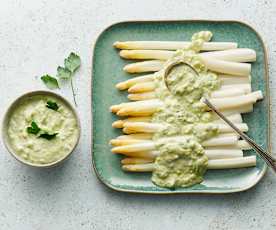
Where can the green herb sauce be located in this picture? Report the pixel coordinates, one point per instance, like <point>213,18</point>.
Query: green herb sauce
<point>182,161</point>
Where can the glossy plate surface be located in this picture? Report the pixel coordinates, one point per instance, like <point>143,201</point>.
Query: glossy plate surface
<point>107,71</point>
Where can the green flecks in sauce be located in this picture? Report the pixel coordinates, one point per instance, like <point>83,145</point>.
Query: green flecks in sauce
<point>182,161</point>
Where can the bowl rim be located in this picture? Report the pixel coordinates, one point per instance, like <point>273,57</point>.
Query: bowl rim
<point>6,119</point>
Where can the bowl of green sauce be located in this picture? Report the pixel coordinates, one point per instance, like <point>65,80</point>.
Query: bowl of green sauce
<point>41,129</point>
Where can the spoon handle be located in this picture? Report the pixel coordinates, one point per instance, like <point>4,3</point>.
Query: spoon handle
<point>268,158</point>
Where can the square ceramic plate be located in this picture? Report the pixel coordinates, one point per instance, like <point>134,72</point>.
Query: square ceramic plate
<point>107,71</point>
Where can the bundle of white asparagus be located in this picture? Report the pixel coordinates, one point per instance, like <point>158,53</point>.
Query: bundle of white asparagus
<point>234,97</point>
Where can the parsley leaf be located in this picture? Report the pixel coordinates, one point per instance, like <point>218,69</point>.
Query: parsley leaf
<point>63,73</point>
<point>52,105</point>
<point>33,129</point>
<point>73,62</point>
<point>50,82</point>
<point>48,136</point>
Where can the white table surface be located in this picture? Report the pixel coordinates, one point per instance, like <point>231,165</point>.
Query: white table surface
<point>35,36</point>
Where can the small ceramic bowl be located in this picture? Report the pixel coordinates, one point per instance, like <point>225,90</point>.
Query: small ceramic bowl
<point>6,120</point>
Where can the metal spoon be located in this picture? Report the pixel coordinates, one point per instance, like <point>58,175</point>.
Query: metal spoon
<point>268,158</point>
<point>174,64</point>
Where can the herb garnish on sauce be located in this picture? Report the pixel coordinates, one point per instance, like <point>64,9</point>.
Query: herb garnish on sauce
<point>33,129</point>
<point>48,136</point>
<point>52,105</point>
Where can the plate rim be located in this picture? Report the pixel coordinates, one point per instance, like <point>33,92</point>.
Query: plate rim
<point>118,189</point>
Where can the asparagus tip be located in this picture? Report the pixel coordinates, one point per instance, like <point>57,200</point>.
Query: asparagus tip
<point>116,44</point>
<point>114,108</point>
<point>125,167</point>
<point>124,54</point>
<point>126,68</point>
<point>115,150</point>
<point>121,86</point>
<point>118,124</point>
<point>122,112</point>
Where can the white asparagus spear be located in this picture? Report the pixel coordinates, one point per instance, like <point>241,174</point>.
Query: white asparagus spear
<point>140,136</point>
<point>235,118</point>
<point>223,153</point>
<point>242,109</point>
<point>130,82</point>
<point>148,136</point>
<point>145,154</point>
<point>225,80</point>
<point>234,55</point>
<point>241,162</point>
<point>211,154</point>
<point>246,87</point>
<point>139,147</point>
<point>121,142</point>
<point>148,107</point>
<point>229,141</point>
<point>150,145</point>
<point>147,54</point>
<point>219,153</point>
<point>225,128</point>
<point>141,96</point>
<point>145,109</point>
<point>227,92</point>
<point>234,68</point>
<point>233,80</point>
<point>138,167</point>
<point>233,102</point>
<point>151,86</point>
<point>134,160</point>
<point>142,87</point>
<point>221,140</point>
<point>143,127</point>
<point>147,127</point>
<point>241,144</point>
<point>127,130</point>
<point>144,66</point>
<point>116,108</point>
<point>120,123</point>
<point>232,163</point>
<point>172,45</point>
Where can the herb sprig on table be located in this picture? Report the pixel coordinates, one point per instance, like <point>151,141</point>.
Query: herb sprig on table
<point>71,64</point>
<point>50,82</point>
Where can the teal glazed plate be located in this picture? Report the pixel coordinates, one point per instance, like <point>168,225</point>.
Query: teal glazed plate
<point>108,70</point>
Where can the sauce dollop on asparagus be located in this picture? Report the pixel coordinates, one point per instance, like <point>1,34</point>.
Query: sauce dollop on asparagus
<point>182,161</point>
